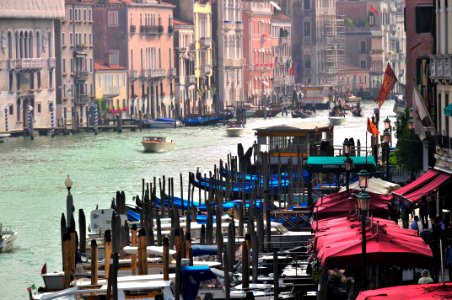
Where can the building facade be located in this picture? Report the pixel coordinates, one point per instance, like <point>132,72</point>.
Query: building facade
<point>74,72</point>
<point>27,63</point>
<point>283,70</point>
<point>257,51</point>
<point>186,96</point>
<point>228,38</point>
<point>145,48</point>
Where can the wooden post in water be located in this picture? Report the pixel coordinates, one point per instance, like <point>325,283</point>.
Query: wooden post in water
<point>255,256</point>
<point>260,230</point>
<point>66,259</point>
<point>159,231</point>
<point>82,230</point>
<point>245,266</point>
<point>178,275</point>
<point>63,231</point>
<point>107,252</point>
<point>188,250</point>
<point>241,222</point>
<point>73,247</point>
<point>209,222</point>
<point>202,239</point>
<point>134,243</point>
<point>116,231</point>
<point>268,230</point>
<point>275,276</point>
<point>226,264</point>
<point>94,262</point>
<point>165,258</point>
<point>142,252</point>
<point>151,215</point>
<point>231,245</point>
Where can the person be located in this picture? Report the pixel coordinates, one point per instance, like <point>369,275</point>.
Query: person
<point>425,278</point>
<point>448,259</point>
<point>414,224</point>
<point>423,212</point>
<point>404,214</point>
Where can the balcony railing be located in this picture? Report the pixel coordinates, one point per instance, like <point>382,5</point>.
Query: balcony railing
<point>133,75</point>
<point>112,91</point>
<point>440,67</point>
<point>306,40</point>
<point>29,63</point>
<point>82,99</point>
<point>205,42</point>
<point>133,28</point>
<point>144,74</point>
<point>232,62</point>
<point>82,75</point>
<point>157,73</point>
<point>170,29</point>
<point>172,72</point>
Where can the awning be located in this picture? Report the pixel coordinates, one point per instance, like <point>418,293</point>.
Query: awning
<point>422,186</point>
<point>265,82</point>
<point>448,110</point>
<point>336,163</point>
<point>275,5</point>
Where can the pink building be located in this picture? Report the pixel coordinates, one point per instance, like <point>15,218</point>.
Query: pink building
<point>139,35</point>
<point>257,50</point>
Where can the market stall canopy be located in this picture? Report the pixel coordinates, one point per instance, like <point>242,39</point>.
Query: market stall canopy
<point>376,186</point>
<point>344,203</point>
<point>422,186</point>
<point>336,163</point>
<point>409,292</point>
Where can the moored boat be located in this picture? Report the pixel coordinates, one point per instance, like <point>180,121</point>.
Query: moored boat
<point>7,238</point>
<point>3,136</point>
<point>162,123</point>
<point>157,144</point>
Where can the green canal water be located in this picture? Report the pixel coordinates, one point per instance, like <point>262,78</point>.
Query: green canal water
<point>32,174</point>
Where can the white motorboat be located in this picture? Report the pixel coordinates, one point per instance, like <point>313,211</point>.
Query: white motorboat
<point>334,121</point>
<point>235,128</point>
<point>157,144</point>
<point>3,136</point>
<point>7,238</point>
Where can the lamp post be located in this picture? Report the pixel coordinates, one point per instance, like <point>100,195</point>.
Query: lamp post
<point>386,141</point>
<point>348,163</point>
<point>363,205</point>
<point>410,123</point>
<point>69,201</point>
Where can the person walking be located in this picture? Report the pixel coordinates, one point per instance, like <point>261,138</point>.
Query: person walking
<point>425,278</point>
<point>448,259</point>
<point>414,225</point>
<point>423,212</point>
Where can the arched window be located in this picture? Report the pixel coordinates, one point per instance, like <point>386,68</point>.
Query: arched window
<point>49,39</point>
<point>10,45</point>
<point>38,44</point>
<point>30,44</point>
<point>25,44</point>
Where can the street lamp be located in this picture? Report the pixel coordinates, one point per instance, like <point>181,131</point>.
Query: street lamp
<point>348,164</point>
<point>68,183</point>
<point>69,201</point>
<point>386,141</point>
<point>363,205</point>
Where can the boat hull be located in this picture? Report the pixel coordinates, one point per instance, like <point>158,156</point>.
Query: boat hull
<point>162,123</point>
<point>235,132</point>
<point>336,120</point>
<point>7,241</point>
<point>158,147</point>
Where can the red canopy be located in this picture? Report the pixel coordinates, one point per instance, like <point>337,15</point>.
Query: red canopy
<point>339,245</point>
<point>424,185</point>
<point>409,292</point>
<point>343,203</point>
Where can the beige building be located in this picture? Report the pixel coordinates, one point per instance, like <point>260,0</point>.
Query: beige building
<point>185,68</point>
<point>74,76</point>
<point>228,37</point>
<point>27,62</point>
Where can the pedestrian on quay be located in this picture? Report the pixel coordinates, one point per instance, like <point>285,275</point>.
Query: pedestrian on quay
<point>414,225</point>
<point>425,278</point>
<point>404,214</point>
<point>423,211</point>
<point>431,207</point>
<point>448,258</point>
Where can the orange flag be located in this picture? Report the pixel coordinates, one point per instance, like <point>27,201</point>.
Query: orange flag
<point>371,128</point>
<point>389,80</point>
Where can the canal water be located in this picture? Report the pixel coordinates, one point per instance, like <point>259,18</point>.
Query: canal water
<point>32,174</point>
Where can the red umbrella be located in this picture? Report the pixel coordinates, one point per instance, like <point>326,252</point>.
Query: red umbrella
<point>409,292</point>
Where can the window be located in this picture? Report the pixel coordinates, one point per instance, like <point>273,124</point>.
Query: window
<point>363,46</point>
<point>307,29</point>
<point>91,65</point>
<point>425,19</point>
<point>71,65</point>
<point>90,17</point>
<point>70,14</point>
<point>112,19</point>
<point>62,39</point>
<point>63,63</point>
<point>50,79</point>
<point>38,77</point>
<point>39,107</point>
<point>70,39</point>
<point>84,15</point>
<point>307,4</point>
<point>11,109</point>
<point>11,81</point>
<point>363,64</point>
<point>90,39</point>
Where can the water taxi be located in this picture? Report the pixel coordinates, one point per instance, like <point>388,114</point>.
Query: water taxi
<point>157,144</point>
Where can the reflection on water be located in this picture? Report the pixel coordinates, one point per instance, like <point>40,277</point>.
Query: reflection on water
<point>32,193</point>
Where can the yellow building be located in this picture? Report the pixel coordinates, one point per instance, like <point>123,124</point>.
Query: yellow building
<point>202,11</point>
<point>111,89</point>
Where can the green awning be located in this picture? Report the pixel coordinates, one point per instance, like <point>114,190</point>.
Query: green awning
<point>448,110</point>
<point>336,163</point>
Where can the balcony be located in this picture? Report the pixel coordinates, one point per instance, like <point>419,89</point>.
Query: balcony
<point>133,75</point>
<point>206,69</point>
<point>51,63</point>
<point>238,26</point>
<point>151,30</point>
<point>29,63</point>
<point>170,29</point>
<point>157,73</point>
<point>144,74</point>
<point>112,91</point>
<point>263,37</point>
<point>306,40</point>
<point>82,99</point>
<point>228,25</point>
<point>205,42</point>
<point>133,29</point>
<point>82,75</point>
<point>440,67</point>
<point>233,63</point>
<point>172,72</point>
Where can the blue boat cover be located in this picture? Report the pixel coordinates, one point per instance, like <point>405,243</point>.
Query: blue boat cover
<point>192,276</point>
<point>199,250</point>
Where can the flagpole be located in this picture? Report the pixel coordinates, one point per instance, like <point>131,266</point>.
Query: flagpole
<point>366,149</point>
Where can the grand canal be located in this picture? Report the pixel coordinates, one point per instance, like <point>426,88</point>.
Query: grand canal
<point>33,195</point>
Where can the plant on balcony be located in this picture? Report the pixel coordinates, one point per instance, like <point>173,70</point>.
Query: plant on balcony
<point>283,33</point>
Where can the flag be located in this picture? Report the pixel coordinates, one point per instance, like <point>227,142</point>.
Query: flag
<point>418,126</point>
<point>420,113</point>
<point>373,10</point>
<point>371,128</point>
<point>389,80</point>
<point>44,269</point>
